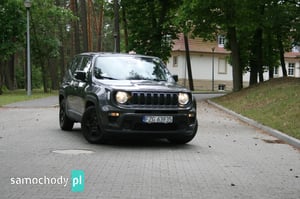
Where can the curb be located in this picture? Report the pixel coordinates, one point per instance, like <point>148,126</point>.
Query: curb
<point>288,139</point>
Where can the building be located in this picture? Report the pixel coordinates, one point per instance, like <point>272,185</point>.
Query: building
<point>210,67</point>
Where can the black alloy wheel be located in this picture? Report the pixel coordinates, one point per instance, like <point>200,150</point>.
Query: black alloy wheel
<point>90,127</point>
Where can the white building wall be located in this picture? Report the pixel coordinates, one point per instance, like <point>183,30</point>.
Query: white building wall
<point>201,68</point>
<point>297,72</point>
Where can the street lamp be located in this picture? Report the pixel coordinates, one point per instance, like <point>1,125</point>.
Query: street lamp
<point>27,4</point>
<point>213,69</point>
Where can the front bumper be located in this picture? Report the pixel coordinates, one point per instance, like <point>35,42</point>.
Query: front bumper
<point>121,121</point>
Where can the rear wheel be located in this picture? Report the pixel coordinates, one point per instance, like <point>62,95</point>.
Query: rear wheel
<point>90,127</point>
<point>64,121</point>
<point>183,139</point>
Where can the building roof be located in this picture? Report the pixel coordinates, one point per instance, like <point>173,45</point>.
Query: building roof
<point>198,45</point>
<point>295,55</point>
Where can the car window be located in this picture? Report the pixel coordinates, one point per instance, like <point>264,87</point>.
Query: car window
<point>130,68</point>
<point>85,64</point>
<point>75,64</point>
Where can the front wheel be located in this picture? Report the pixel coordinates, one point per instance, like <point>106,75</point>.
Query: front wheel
<point>90,127</point>
<point>183,139</point>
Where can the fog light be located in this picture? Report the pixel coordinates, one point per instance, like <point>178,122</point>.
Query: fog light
<point>114,114</point>
<point>191,115</point>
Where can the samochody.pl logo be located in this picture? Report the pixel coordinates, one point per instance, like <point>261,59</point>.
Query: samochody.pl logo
<point>76,181</point>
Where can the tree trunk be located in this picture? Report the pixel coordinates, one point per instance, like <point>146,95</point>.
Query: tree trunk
<point>52,65</point>
<point>116,26</point>
<point>236,68</point>
<point>281,54</point>
<point>271,72</point>
<point>100,26</point>
<point>1,76</point>
<point>269,61</point>
<point>44,76</point>
<point>256,62</point>
<point>61,49</point>
<point>188,62</point>
<point>76,38</point>
<point>125,27</point>
<point>83,17</point>
<point>89,25</point>
<point>9,73</point>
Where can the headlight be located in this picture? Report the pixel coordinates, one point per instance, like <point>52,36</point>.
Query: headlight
<point>122,97</point>
<point>183,98</point>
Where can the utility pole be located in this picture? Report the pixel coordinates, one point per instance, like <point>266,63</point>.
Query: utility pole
<point>213,70</point>
<point>27,4</point>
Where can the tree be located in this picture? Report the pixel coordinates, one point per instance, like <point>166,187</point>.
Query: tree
<point>217,17</point>
<point>256,31</point>
<point>151,27</point>
<point>285,21</point>
<point>47,21</point>
<point>12,29</point>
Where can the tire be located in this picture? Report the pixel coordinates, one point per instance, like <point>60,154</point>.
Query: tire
<point>65,122</point>
<point>90,127</point>
<point>183,139</point>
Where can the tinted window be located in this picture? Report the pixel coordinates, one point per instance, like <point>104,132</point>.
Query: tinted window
<point>74,65</point>
<point>85,64</point>
<point>131,68</point>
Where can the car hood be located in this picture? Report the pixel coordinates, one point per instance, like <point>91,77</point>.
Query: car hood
<point>143,85</point>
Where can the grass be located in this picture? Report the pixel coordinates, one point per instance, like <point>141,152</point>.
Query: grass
<point>9,97</point>
<point>274,103</point>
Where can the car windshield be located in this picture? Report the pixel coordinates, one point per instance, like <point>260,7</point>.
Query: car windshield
<point>131,68</point>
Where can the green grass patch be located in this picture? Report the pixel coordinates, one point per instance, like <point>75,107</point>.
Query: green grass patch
<point>9,97</point>
<point>274,103</point>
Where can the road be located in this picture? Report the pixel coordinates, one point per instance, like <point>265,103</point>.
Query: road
<point>227,159</point>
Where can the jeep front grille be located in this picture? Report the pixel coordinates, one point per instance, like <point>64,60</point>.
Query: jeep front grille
<point>154,98</point>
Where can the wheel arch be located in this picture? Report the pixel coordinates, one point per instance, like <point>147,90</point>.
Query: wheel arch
<point>61,97</point>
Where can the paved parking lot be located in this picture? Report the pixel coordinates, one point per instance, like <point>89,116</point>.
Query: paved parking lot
<point>227,159</point>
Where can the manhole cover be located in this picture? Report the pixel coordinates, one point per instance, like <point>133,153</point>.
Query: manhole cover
<point>73,151</point>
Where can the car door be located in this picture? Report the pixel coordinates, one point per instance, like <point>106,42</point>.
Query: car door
<point>80,84</point>
<point>72,88</point>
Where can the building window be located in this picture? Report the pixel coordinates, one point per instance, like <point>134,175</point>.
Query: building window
<point>222,66</point>
<point>175,61</point>
<point>296,49</point>
<point>291,69</point>
<point>221,41</point>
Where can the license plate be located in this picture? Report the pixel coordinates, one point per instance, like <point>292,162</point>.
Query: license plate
<point>158,119</point>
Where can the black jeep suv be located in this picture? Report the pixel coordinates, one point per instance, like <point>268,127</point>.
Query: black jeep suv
<point>113,94</point>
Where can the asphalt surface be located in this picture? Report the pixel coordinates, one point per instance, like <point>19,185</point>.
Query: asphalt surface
<point>227,159</point>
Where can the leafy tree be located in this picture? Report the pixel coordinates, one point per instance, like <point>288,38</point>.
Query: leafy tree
<point>256,31</point>
<point>151,26</point>
<point>46,22</point>
<point>206,19</point>
<point>273,22</point>
<point>12,29</point>
<point>285,23</point>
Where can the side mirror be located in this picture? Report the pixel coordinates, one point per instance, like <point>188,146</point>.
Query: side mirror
<point>80,75</point>
<point>175,77</point>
